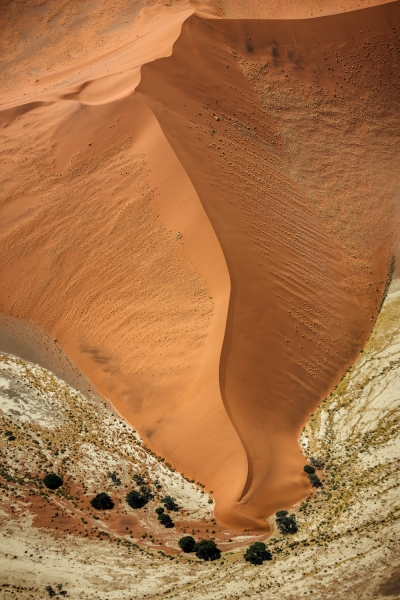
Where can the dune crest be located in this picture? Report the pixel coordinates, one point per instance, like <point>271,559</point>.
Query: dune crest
<point>158,223</point>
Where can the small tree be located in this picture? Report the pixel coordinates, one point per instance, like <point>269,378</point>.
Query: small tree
<point>309,469</point>
<point>137,499</point>
<point>159,510</point>
<point>170,503</point>
<point>166,520</point>
<point>315,480</point>
<point>257,553</point>
<point>286,523</point>
<point>102,502</point>
<point>187,543</point>
<point>52,481</point>
<point>146,493</point>
<point>207,550</point>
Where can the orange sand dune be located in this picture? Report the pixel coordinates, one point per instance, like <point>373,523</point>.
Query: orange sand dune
<point>291,9</point>
<point>202,217</point>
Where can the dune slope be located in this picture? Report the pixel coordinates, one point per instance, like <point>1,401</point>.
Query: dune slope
<point>299,308</point>
<point>161,221</point>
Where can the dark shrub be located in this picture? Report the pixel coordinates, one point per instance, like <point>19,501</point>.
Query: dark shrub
<point>159,510</point>
<point>102,502</point>
<point>187,543</point>
<point>146,493</point>
<point>115,479</point>
<point>316,462</point>
<point>286,523</point>
<point>166,520</point>
<point>170,503</point>
<point>139,479</point>
<point>309,469</point>
<point>50,590</point>
<point>257,553</point>
<point>207,550</point>
<point>52,481</point>
<point>315,480</point>
<point>137,499</point>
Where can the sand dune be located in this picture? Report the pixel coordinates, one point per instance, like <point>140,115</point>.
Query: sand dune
<point>292,9</point>
<point>168,217</point>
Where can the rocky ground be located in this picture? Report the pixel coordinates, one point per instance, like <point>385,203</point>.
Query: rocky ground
<point>347,545</point>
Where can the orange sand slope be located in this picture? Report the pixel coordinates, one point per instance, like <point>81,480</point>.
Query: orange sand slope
<point>201,214</point>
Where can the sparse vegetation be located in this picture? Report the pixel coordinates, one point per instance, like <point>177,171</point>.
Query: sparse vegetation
<point>207,550</point>
<point>187,543</point>
<point>317,462</point>
<point>52,481</point>
<point>170,503</point>
<point>257,553</point>
<point>139,479</point>
<point>102,502</point>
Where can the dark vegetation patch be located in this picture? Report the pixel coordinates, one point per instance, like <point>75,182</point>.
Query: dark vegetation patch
<point>102,502</point>
<point>257,553</point>
<point>286,523</point>
<point>207,550</point>
<point>52,481</point>
<point>187,543</point>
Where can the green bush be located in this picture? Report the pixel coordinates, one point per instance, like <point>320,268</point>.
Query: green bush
<point>187,543</point>
<point>170,503</point>
<point>207,550</point>
<point>257,553</point>
<point>52,481</point>
<point>166,520</point>
<point>309,469</point>
<point>286,524</point>
<point>137,499</point>
<point>315,480</point>
<point>102,502</point>
<point>159,510</point>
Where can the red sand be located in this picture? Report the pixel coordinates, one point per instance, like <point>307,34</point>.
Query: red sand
<point>155,221</point>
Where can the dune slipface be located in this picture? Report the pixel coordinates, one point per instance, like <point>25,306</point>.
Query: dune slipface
<point>193,217</point>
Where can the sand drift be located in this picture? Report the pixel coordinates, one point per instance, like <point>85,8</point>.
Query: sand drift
<point>201,215</point>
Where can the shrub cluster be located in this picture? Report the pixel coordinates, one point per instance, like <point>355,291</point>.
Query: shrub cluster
<point>257,553</point>
<point>170,503</point>
<point>315,480</point>
<point>204,549</point>
<point>102,502</point>
<point>312,476</point>
<point>309,469</point>
<point>52,481</point>
<point>138,499</point>
<point>187,544</point>
<point>286,523</point>
<point>317,462</point>
<point>207,550</point>
<point>165,520</point>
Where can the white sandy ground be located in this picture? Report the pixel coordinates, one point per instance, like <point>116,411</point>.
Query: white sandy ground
<point>348,540</point>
